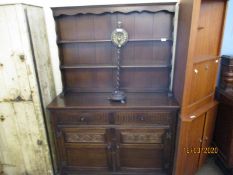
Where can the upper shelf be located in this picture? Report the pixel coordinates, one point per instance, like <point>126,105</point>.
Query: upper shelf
<point>103,41</point>
<point>113,66</point>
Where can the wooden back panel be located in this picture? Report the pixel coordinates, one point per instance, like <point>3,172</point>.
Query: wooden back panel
<point>88,58</point>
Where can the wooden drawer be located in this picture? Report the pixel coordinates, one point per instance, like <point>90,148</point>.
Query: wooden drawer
<point>158,117</point>
<point>75,117</point>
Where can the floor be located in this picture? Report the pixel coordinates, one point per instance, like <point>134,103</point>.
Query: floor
<point>210,168</point>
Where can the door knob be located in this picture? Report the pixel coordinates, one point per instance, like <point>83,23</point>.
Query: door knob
<point>118,147</point>
<point>141,118</point>
<point>109,146</point>
<point>196,71</point>
<point>82,119</point>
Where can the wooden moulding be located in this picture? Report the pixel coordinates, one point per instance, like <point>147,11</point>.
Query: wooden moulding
<point>97,10</point>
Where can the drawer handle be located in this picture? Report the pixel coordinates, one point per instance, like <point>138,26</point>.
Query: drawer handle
<point>193,116</point>
<point>83,119</point>
<point>109,146</point>
<point>141,118</point>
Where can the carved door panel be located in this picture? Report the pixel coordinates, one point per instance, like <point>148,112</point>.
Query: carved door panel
<point>143,149</point>
<point>84,148</point>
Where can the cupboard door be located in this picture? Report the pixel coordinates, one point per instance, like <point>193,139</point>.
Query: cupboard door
<point>85,148</point>
<point>194,144</point>
<point>203,80</point>
<point>143,150</point>
<point>208,133</point>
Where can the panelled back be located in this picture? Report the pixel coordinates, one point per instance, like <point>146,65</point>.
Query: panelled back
<point>88,58</point>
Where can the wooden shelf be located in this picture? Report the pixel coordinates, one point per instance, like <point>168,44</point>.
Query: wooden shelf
<point>146,66</point>
<point>104,41</point>
<point>112,66</point>
<point>87,67</point>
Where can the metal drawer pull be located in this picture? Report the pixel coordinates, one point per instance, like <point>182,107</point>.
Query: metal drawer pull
<point>82,119</point>
<point>109,146</point>
<point>192,117</point>
<point>142,118</point>
<point>196,71</point>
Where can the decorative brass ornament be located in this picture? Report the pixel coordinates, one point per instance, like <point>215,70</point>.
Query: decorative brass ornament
<point>119,36</point>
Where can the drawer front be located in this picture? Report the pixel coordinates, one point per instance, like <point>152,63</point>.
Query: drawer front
<point>159,117</point>
<point>81,117</point>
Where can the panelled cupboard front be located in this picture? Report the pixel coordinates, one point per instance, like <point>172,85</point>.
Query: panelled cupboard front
<point>115,141</point>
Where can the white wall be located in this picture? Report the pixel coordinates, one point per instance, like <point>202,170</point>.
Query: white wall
<point>227,45</point>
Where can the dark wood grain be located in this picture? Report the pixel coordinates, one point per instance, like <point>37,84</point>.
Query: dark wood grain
<point>92,134</point>
<point>85,40</point>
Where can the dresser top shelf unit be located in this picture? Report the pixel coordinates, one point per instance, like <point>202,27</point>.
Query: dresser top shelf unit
<point>88,57</point>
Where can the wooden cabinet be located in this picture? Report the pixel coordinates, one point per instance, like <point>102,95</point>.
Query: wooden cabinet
<point>135,142</point>
<point>197,138</point>
<point>94,135</point>
<point>197,52</point>
<point>223,136</point>
<point>200,27</point>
